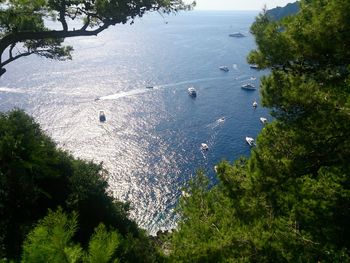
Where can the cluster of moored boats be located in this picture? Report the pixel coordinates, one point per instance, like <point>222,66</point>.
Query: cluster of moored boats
<point>193,93</point>
<point>204,147</point>
<point>248,86</point>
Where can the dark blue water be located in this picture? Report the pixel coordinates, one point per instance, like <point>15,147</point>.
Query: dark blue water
<point>151,140</point>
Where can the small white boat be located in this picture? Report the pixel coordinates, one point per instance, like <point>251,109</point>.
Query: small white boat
<point>250,141</point>
<point>248,86</point>
<point>255,104</point>
<point>204,147</point>
<point>192,92</point>
<point>222,119</point>
<point>252,78</point>
<point>263,120</point>
<point>102,116</point>
<point>237,34</point>
<point>254,66</point>
<point>224,68</point>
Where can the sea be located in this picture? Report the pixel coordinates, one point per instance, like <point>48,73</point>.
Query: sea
<point>150,141</point>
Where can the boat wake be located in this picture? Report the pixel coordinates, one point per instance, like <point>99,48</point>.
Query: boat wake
<point>156,87</point>
<point>11,90</point>
<point>123,94</point>
<point>217,123</point>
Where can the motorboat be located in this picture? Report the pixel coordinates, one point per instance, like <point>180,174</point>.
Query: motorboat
<point>204,147</point>
<point>248,86</point>
<point>192,92</point>
<point>222,119</point>
<point>254,66</point>
<point>255,104</point>
<point>263,120</point>
<point>224,68</point>
<point>250,141</point>
<point>252,78</point>
<point>149,87</point>
<point>237,34</point>
<point>102,116</point>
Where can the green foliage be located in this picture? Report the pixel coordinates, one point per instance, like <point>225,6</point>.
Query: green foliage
<point>102,246</point>
<point>32,176</point>
<point>35,176</point>
<point>88,195</point>
<point>51,241</point>
<point>314,39</point>
<point>206,218</point>
<point>289,202</point>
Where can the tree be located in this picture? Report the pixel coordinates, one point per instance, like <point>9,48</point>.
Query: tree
<point>303,157</point>
<point>22,23</point>
<point>289,202</point>
<point>32,177</point>
<point>52,241</point>
<point>36,176</point>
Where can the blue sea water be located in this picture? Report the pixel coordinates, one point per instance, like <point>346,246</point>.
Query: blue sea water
<point>150,143</point>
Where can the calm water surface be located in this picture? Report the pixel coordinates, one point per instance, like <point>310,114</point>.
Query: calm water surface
<point>151,140</point>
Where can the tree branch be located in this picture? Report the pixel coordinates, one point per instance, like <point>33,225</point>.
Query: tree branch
<point>84,27</point>
<point>9,60</point>
<point>11,48</point>
<point>9,39</point>
<point>62,18</point>
<point>24,54</point>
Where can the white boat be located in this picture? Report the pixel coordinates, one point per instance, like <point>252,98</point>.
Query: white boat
<point>248,86</point>
<point>102,116</point>
<point>263,120</point>
<point>255,104</point>
<point>254,66</point>
<point>237,34</point>
<point>250,141</point>
<point>222,119</point>
<point>192,92</point>
<point>252,78</point>
<point>204,147</point>
<point>224,68</point>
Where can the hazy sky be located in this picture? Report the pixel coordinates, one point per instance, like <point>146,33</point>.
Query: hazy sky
<point>239,4</point>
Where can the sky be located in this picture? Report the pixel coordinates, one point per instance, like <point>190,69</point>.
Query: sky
<point>239,4</point>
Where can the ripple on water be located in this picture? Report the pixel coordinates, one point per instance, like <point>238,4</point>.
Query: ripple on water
<point>150,142</point>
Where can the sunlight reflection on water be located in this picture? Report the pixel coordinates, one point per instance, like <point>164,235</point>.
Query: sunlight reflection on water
<point>150,141</point>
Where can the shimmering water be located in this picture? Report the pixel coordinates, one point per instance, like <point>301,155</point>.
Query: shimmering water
<point>151,140</point>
